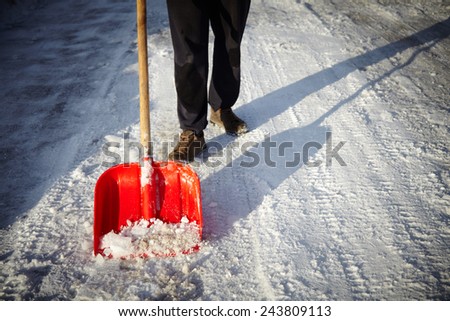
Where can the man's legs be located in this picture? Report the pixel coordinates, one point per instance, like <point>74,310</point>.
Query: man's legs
<point>189,27</point>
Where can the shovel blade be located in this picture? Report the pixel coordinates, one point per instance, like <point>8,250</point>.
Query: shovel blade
<point>171,191</point>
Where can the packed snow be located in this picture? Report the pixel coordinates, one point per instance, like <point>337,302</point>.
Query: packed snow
<point>340,191</point>
<point>152,238</point>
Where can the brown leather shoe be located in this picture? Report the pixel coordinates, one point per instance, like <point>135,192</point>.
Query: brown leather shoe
<point>227,119</point>
<point>189,146</point>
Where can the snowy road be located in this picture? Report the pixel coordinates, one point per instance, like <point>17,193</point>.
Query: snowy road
<point>341,191</point>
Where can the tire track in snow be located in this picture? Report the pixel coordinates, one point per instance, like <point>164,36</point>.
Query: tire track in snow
<point>386,158</point>
<point>270,233</point>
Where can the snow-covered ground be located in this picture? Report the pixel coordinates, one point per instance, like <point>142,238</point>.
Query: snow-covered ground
<point>365,217</point>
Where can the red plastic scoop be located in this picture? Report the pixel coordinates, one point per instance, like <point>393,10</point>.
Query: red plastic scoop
<point>171,192</point>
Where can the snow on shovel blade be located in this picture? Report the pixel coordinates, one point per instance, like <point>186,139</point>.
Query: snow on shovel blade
<point>165,192</point>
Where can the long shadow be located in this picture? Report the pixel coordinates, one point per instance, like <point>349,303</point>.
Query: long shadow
<point>241,186</point>
<point>297,91</point>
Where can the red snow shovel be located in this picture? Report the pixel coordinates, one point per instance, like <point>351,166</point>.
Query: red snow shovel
<point>167,191</point>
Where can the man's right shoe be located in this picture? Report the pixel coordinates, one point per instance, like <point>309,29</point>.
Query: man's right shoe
<point>227,119</point>
<point>189,146</point>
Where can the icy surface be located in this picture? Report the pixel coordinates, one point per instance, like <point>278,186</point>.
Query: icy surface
<point>283,220</point>
<point>152,238</point>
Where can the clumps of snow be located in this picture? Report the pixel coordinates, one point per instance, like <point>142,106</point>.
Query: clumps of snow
<point>150,238</point>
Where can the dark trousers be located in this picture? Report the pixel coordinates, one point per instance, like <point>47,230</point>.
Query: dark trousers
<point>189,26</point>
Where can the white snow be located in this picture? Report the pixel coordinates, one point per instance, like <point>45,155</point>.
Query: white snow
<point>365,217</point>
<point>146,173</point>
<point>152,238</point>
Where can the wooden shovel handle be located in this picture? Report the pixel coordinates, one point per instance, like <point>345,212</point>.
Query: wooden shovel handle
<point>144,97</point>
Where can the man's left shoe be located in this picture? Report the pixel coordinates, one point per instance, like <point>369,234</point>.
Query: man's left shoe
<point>189,146</point>
<point>226,118</point>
